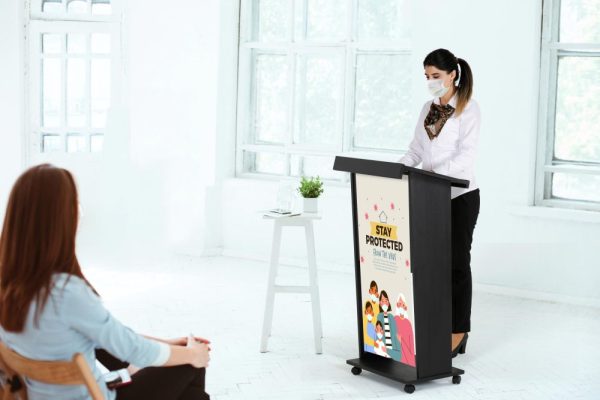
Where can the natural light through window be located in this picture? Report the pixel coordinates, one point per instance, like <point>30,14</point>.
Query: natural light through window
<point>321,77</point>
<point>568,172</point>
<point>71,67</point>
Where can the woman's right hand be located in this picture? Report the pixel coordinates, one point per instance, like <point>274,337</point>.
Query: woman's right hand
<point>195,354</point>
<point>199,353</point>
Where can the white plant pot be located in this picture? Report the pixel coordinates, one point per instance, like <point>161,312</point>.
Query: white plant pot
<point>311,205</point>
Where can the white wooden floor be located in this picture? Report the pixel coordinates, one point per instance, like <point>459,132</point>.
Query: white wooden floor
<point>518,349</point>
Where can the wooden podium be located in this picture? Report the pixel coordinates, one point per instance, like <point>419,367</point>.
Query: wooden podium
<point>402,244</point>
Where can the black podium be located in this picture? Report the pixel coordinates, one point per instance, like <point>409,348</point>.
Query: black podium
<point>402,253</point>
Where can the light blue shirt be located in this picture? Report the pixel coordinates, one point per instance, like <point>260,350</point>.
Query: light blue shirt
<point>74,320</point>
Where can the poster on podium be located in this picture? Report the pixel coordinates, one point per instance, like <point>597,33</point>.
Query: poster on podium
<point>386,281</point>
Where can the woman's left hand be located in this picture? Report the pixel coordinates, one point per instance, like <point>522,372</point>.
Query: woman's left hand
<point>182,341</point>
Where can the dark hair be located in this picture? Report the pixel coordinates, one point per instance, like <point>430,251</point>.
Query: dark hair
<point>444,60</point>
<point>37,241</point>
<point>384,293</point>
<point>368,305</point>
<point>373,284</point>
<point>380,324</point>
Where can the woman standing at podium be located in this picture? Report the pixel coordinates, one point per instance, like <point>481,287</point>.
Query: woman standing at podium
<point>445,142</point>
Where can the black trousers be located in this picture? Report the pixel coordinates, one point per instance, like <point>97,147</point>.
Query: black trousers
<point>465,209</point>
<point>182,382</point>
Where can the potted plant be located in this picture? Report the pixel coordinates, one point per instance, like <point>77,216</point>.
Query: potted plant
<point>310,189</point>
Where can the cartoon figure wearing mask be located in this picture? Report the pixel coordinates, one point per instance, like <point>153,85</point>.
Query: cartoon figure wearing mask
<point>369,334</point>
<point>388,322</point>
<point>380,348</point>
<point>405,331</point>
<point>374,298</point>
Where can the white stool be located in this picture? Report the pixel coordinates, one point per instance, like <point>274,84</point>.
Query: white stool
<point>304,220</point>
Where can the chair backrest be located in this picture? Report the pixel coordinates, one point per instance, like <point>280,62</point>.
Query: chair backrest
<point>74,372</point>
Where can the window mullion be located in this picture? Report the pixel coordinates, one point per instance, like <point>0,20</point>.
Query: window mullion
<point>349,79</point>
<point>547,90</point>
<point>552,85</point>
<point>64,100</point>
<point>300,97</point>
<point>304,20</point>
<point>88,88</point>
<point>291,104</point>
<point>350,100</point>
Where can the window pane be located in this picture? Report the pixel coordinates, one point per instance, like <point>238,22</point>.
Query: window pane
<point>51,143</point>
<point>327,19</point>
<point>580,21</point>
<point>576,186</point>
<point>76,43</point>
<point>96,143</point>
<point>76,93</point>
<point>382,117</point>
<point>383,19</point>
<point>315,166</point>
<point>101,7</point>
<point>271,96</point>
<point>76,144</point>
<point>100,43</point>
<point>267,163</point>
<point>52,43</point>
<point>577,131</point>
<point>318,97</point>
<point>52,6</point>
<point>100,91</point>
<point>51,92</point>
<point>273,20</point>
<point>77,7</point>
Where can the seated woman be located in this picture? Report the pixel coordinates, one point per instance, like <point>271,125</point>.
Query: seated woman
<point>49,310</point>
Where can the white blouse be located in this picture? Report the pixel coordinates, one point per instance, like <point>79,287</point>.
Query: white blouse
<point>453,151</point>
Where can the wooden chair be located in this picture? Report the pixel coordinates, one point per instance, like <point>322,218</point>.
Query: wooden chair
<point>74,372</point>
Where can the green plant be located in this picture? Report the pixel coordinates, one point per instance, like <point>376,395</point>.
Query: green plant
<point>310,187</point>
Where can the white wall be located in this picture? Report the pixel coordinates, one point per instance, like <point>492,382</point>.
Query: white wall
<point>157,192</point>
<point>11,96</point>
<point>172,75</point>
<point>501,42</point>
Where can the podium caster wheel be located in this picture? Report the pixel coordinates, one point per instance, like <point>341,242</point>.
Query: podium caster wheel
<point>409,389</point>
<point>356,371</point>
<point>456,379</point>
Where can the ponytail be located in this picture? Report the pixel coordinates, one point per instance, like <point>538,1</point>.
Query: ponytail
<point>464,81</point>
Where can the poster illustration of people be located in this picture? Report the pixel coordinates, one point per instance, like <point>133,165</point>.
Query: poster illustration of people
<point>386,278</point>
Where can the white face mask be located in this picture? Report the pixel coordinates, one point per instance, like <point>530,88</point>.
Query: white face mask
<point>401,312</point>
<point>373,298</point>
<point>436,87</point>
<point>369,317</point>
<point>384,307</point>
<point>380,336</point>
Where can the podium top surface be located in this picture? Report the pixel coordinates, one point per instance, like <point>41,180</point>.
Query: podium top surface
<point>388,170</point>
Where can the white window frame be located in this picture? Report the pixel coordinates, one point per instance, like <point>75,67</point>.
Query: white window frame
<point>551,50</point>
<point>348,49</point>
<point>37,23</point>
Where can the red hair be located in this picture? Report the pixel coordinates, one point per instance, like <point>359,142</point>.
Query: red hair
<point>37,241</point>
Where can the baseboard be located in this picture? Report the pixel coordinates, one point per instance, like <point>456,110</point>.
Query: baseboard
<point>212,252</point>
<point>289,261</point>
<point>480,287</point>
<point>536,295</point>
<point>208,252</point>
